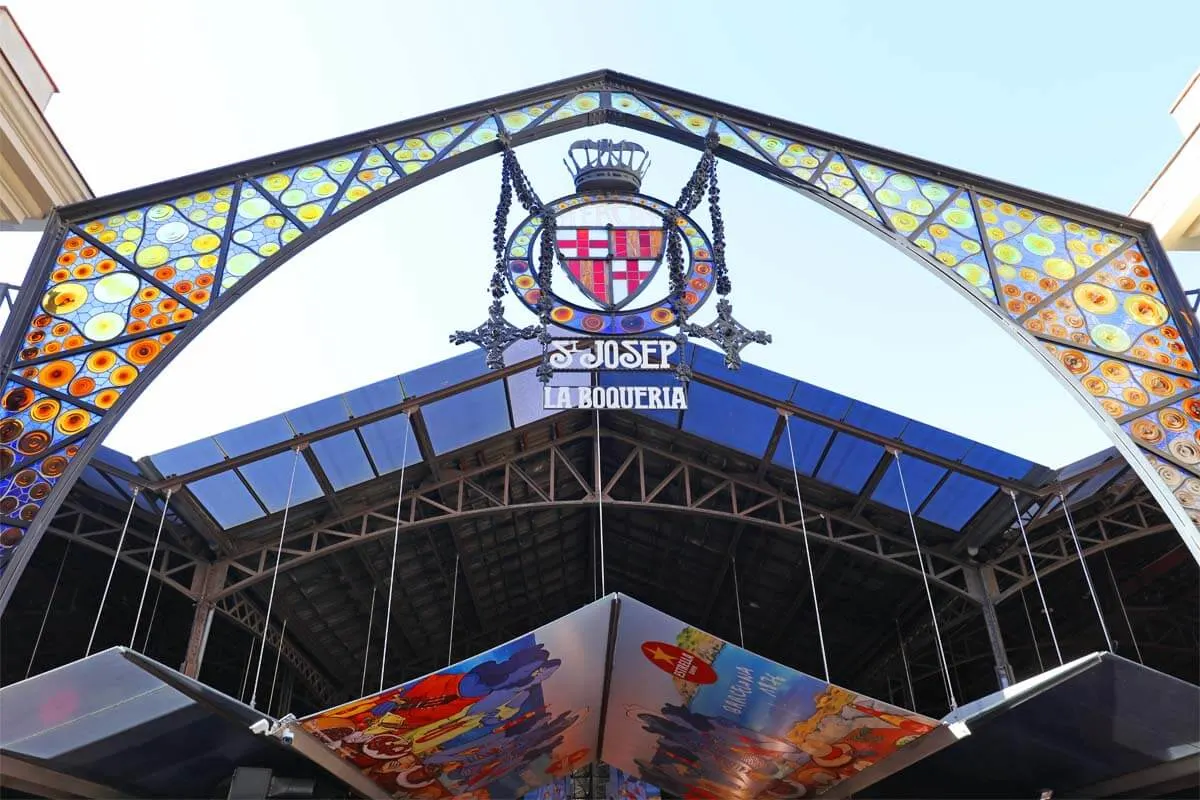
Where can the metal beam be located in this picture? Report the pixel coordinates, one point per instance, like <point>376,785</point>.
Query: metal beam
<point>734,499</point>
<point>22,775</point>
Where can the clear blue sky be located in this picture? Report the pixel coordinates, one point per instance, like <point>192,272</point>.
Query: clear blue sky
<point>1068,98</point>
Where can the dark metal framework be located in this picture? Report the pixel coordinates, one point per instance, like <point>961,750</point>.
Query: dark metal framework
<point>530,496</point>
<point>837,178</point>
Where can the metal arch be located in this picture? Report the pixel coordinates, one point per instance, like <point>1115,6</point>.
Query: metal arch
<point>469,133</point>
<point>688,487</point>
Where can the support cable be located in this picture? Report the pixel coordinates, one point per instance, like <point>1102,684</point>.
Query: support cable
<point>275,674</point>
<point>1036,579</point>
<point>453,612</point>
<point>937,633</point>
<point>111,570</point>
<point>812,577</point>
<point>737,599</point>
<point>1087,575</point>
<point>153,614</point>
<point>912,695</point>
<point>274,578</point>
<point>150,568</point>
<point>246,672</point>
<point>362,689</point>
<point>49,604</point>
<point>600,505</point>
<point>387,620</point>
<point>1037,649</point>
<point>1124,612</point>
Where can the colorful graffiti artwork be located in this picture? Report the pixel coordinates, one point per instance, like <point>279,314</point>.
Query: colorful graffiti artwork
<point>500,724</point>
<point>685,711</point>
<point>702,718</point>
<point>623,786</point>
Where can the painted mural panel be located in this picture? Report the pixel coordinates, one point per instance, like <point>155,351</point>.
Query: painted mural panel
<point>497,725</point>
<point>559,789</point>
<point>623,786</point>
<point>702,718</point>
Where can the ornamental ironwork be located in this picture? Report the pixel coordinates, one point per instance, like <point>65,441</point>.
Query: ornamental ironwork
<point>610,241</point>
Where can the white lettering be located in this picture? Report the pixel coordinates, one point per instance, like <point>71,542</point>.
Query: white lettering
<point>739,692</point>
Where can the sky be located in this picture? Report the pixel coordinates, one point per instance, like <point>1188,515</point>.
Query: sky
<point>1066,98</point>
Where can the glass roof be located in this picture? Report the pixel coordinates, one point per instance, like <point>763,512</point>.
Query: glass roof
<point>835,439</point>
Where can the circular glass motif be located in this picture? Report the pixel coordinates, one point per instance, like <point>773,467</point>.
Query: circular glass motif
<point>610,276</point>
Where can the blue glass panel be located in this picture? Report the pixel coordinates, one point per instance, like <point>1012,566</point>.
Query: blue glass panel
<point>664,379</point>
<point>342,460</point>
<point>318,415</point>
<point>467,418</point>
<point>756,379</point>
<point>92,477</point>
<point>849,462</point>
<point>269,480</point>
<point>876,420</point>
<point>117,459</point>
<point>263,433</point>
<point>726,419</point>
<point>525,394</point>
<point>919,476</point>
<point>1096,483</point>
<point>936,441</point>
<point>959,499</point>
<point>444,373</point>
<point>809,439</point>
<point>822,401</point>
<point>997,462</point>
<point>226,499</point>
<point>391,443</point>
<point>187,457</point>
<point>379,395</point>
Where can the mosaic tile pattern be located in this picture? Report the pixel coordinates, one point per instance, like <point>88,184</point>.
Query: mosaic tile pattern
<point>123,286</point>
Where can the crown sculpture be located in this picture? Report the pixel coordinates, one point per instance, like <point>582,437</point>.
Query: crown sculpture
<point>607,166</point>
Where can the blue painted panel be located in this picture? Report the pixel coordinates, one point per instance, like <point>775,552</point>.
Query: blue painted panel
<point>262,433</point>
<point>269,479</point>
<point>342,460</point>
<point>849,462</point>
<point>318,415</point>
<point>444,373</point>
<point>391,443</point>
<point>381,394</point>
<point>226,499</point>
<point>957,501</point>
<point>187,457</point>
<point>809,440</point>
<point>729,420</point>
<point>920,477</point>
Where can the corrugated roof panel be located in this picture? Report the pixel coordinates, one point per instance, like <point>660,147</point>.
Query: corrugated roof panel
<point>444,373</point>
<point>226,499</point>
<point>380,394</point>
<point>318,415</point>
<point>269,479</point>
<point>525,394</point>
<point>849,462</point>
<point>920,478</point>
<point>957,501</point>
<point>391,443</point>
<point>661,379</point>
<point>187,457</point>
<point>467,418</point>
<point>342,460</point>
<point>263,433</point>
<point>821,401</point>
<point>809,439</point>
<point>729,420</point>
<point>756,379</point>
<point>876,420</point>
<point>936,441</point>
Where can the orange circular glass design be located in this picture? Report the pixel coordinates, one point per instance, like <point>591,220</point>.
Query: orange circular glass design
<point>1172,420</point>
<point>1191,407</point>
<point>199,296</point>
<point>51,348</point>
<point>35,336</point>
<point>1115,371</point>
<point>6,458</point>
<point>1147,431</point>
<point>66,259</point>
<point>56,374</point>
<point>39,491</point>
<point>204,280</point>
<point>1157,384</point>
<point>82,386</point>
<point>148,293</point>
<point>33,442</point>
<point>123,375</point>
<point>73,243</point>
<point>54,466</point>
<point>10,429</point>
<point>106,266</point>
<point>1075,362</point>
<point>1035,325</point>
<point>73,341</point>
<point>562,314</point>
<point>140,310</point>
<point>167,338</point>
<point>181,315</point>
<point>82,271</point>
<point>143,352</point>
<point>183,287</point>
<point>164,273</point>
<point>168,305</point>
<point>61,329</point>
<point>25,477</point>
<point>1111,406</point>
<point>1135,396</point>
<point>137,326</point>
<point>662,316</point>
<point>1095,385</point>
<point>8,505</point>
<point>44,410</point>
<point>42,320</point>
<point>89,252</point>
<point>158,320</point>
<point>101,361</point>
<point>107,398</point>
<point>73,421</point>
<point>59,275</point>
